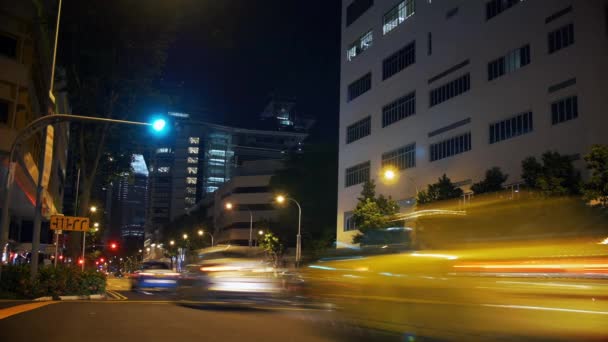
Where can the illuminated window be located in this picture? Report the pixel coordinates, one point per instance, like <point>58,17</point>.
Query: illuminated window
<point>192,150</point>
<point>190,200</point>
<point>191,191</point>
<point>358,46</point>
<point>191,180</point>
<point>192,160</point>
<point>163,169</point>
<point>194,140</point>
<point>397,15</point>
<point>163,150</point>
<point>192,170</point>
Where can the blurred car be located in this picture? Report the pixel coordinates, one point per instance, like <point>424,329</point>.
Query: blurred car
<point>235,275</point>
<point>154,275</point>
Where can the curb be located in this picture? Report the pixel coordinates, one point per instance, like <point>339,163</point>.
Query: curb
<point>89,297</point>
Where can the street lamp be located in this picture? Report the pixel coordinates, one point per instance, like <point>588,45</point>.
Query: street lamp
<point>96,224</point>
<point>172,242</point>
<point>93,209</point>
<point>261,232</point>
<point>153,245</point>
<point>389,174</point>
<point>148,249</point>
<point>200,232</point>
<point>229,206</point>
<point>282,199</point>
<point>185,236</point>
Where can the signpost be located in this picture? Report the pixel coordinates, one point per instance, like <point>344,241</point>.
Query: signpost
<point>59,223</point>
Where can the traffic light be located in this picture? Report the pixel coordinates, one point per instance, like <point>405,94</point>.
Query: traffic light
<point>113,246</point>
<point>80,261</point>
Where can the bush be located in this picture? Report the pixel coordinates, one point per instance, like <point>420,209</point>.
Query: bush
<point>51,281</point>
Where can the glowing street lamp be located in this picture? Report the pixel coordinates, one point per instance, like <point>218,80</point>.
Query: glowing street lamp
<point>200,232</point>
<point>389,174</point>
<point>93,209</point>
<point>172,242</point>
<point>96,224</point>
<point>282,199</point>
<point>228,206</point>
<point>185,236</point>
<point>261,232</point>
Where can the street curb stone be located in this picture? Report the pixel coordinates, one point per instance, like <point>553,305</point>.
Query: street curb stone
<point>89,297</point>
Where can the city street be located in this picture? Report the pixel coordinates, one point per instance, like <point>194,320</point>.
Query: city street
<point>155,318</point>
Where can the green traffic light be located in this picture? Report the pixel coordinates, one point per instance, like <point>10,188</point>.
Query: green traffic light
<point>159,125</point>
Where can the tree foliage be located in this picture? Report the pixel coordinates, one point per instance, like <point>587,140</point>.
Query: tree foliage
<point>373,212</point>
<point>491,183</point>
<point>308,177</point>
<point>597,186</point>
<point>442,190</point>
<point>554,175</point>
<point>273,248</point>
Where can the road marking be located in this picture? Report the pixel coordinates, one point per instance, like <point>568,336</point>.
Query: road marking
<point>14,310</point>
<point>116,295</point>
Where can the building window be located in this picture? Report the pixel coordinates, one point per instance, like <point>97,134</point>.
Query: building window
<point>192,160</point>
<point>356,9</point>
<point>358,46</point>
<point>495,7</point>
<point>194,140</point>
<point>164,169</point>
<point>359,87</point>
<point>358,130</point>
<point>4,110</point>
<point>163,150</point>
<point>449,90</point>
<point>192,170</point>
<point>8,46</point>
<point>191,180</point>
<point>399,109</point>
<point>399,60</point>
<point>357,174</point>
<point>192,150</point>
<point>190,200</point>
<point>401,158</point>
<point>561,38</point>
<point>349,221</point>
<point>512,127</point>
<point>564,110</point>
<point>397,15</point>
<point>510,62</point>
<point>191,191</point>
<point>451,147</point>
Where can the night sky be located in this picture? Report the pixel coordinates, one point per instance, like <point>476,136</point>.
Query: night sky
<point>231,55</point>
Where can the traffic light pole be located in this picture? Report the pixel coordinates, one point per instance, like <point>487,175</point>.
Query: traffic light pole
<point>29,130</point>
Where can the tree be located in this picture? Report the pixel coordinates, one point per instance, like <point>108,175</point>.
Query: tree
<point>373,213</point>
<point>597,186</point>
<point>442,190</point>
<point>112,54</point>
<point>492,183</point>
<point>553,176</point>
<point>273,248</point>
<point>309,178</point>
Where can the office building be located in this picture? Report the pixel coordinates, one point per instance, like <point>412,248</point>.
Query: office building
<point>457,87</point>
<point>198,158</point>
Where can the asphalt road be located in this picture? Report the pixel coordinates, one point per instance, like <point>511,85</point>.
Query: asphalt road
<point>155,317</point>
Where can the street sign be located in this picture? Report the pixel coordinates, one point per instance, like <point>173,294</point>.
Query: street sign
<point>60,222</point>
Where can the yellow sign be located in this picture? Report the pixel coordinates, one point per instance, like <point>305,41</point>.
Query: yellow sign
<point>80,224</point>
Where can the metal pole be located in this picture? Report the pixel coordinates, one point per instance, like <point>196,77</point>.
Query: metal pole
<point>299,236</point>
<point>77,191</point>
<point>55,50</point>
<point>56,247</point>
<point>38,210</point>
<point>250,228</point>
<point>84,239</point>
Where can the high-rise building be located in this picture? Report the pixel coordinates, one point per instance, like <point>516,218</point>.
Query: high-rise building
<point>280,114</point>
<point>457,87</point>
<point>199,157</point>
<point>127,205</point>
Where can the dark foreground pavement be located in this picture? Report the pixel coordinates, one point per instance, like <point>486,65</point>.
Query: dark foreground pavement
<point>153,320</point>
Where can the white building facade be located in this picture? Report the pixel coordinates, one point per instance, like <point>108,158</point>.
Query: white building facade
<point>435,86</point>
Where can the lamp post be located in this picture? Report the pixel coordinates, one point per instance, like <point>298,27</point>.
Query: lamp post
<point>282,199</point>
<point>390,175</point>
<point>229,206</point>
